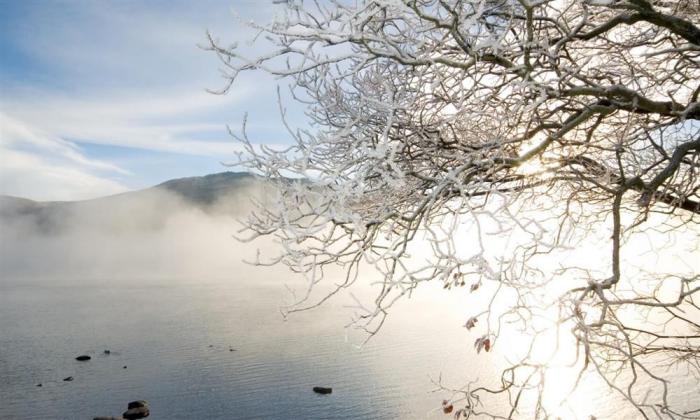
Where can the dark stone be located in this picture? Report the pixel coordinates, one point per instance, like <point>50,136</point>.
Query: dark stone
<point>124,367</point>
<point>68,379</point>
<point>136,413</point>
<point>83,358</point>
<point>39,385</point>
<point>322,390</point>
<point>138,404</point>
<point>107,352</point>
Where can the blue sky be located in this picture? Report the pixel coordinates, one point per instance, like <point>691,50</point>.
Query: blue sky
<point>100,97</point>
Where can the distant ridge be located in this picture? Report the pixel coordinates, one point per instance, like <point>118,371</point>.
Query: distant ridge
<point>207,189</point>
<point>220,193</point>
<point>204,189</point>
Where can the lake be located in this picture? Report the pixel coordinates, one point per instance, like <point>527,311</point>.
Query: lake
<point>176,337</point>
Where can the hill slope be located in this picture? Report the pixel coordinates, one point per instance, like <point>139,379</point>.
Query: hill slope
<point>222,193</point>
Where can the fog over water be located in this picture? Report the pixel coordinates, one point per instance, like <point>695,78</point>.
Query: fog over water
<point>157,278</point>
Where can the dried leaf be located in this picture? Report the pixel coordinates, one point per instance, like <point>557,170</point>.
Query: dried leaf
<point>471,323</point>
<point>483,342</point>
<point>447,407</point>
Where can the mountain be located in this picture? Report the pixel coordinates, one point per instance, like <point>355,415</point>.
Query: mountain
<point>207,190</point>
<point>226,193</point>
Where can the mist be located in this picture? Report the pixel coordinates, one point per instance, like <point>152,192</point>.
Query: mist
<point>151,234</point>
<point>157,277</point>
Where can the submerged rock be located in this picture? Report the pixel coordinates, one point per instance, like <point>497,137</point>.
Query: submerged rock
<point>107,352</point>
<point>138,404</point>
<point>68,379</point>
<point>322,390</point>
<point>83,358</point>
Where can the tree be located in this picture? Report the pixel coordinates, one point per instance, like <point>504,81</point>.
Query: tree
<point>515,139</point>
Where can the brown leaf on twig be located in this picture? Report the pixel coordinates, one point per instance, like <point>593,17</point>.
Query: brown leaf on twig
<point>483,342</point>
<point>471,323</point>
<point>447,407</point>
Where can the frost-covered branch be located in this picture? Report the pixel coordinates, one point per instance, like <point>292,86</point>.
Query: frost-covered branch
<point>532,149</point>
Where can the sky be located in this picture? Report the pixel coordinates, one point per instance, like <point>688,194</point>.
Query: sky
<point>102,97</point>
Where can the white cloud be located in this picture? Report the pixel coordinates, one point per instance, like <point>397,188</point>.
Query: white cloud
<point>135,76</point>
<point>15,134</point>
<point>31,176</point>
<point>36,165</point>
<point>173,122</point>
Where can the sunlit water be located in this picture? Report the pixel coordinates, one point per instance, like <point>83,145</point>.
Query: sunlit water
<point>175,337</point>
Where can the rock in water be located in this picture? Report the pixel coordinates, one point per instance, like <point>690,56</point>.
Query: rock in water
<point>107,352</point>
<point>136,413</point>
<point>83,358</point>
<point>322,390</point>
<point>68,379</point>
<point>136,410</point>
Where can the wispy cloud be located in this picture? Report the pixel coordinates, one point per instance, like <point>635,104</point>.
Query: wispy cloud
<point>124,74</point>
<point>31,176</point>
<point>37,165</point>
<point>175,122</point>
